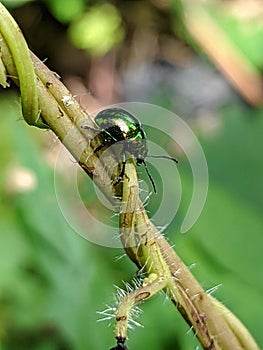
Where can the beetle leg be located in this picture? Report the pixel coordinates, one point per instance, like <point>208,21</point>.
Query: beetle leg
<point>120,177</point>
<point>97,149</point>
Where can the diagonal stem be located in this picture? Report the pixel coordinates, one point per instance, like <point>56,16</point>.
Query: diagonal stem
<point>214,325</point>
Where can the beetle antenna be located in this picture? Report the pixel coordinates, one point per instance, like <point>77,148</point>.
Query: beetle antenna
<point>150,177</point>
<point>97,131</point>
<point>164,157</point>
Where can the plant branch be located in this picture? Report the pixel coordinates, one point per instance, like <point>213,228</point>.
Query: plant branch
<point>214,325</point>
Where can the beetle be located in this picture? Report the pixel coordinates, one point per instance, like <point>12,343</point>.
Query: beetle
<point>118,125</point>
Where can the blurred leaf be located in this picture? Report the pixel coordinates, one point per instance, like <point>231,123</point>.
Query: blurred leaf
<point>246,34</point>
<point>66,10</point>
<point>15,3</point>
<point>97,30</point>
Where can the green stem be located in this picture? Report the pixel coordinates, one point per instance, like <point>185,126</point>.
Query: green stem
<point>24,66</point>
<point>214,325</point>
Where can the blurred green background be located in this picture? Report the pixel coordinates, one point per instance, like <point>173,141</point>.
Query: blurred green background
<point>52,281</point>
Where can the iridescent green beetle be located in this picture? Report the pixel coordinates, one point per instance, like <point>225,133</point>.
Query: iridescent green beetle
<point>118,125</point>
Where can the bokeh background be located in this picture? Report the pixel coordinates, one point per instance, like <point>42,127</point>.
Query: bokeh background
<point>204,61</point>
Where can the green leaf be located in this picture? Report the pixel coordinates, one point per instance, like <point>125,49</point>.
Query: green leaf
<point>66,10</point>
<point>15,3</point>
<point>97,30</point>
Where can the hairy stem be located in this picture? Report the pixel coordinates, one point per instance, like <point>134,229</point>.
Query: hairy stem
<point>214,325</point>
